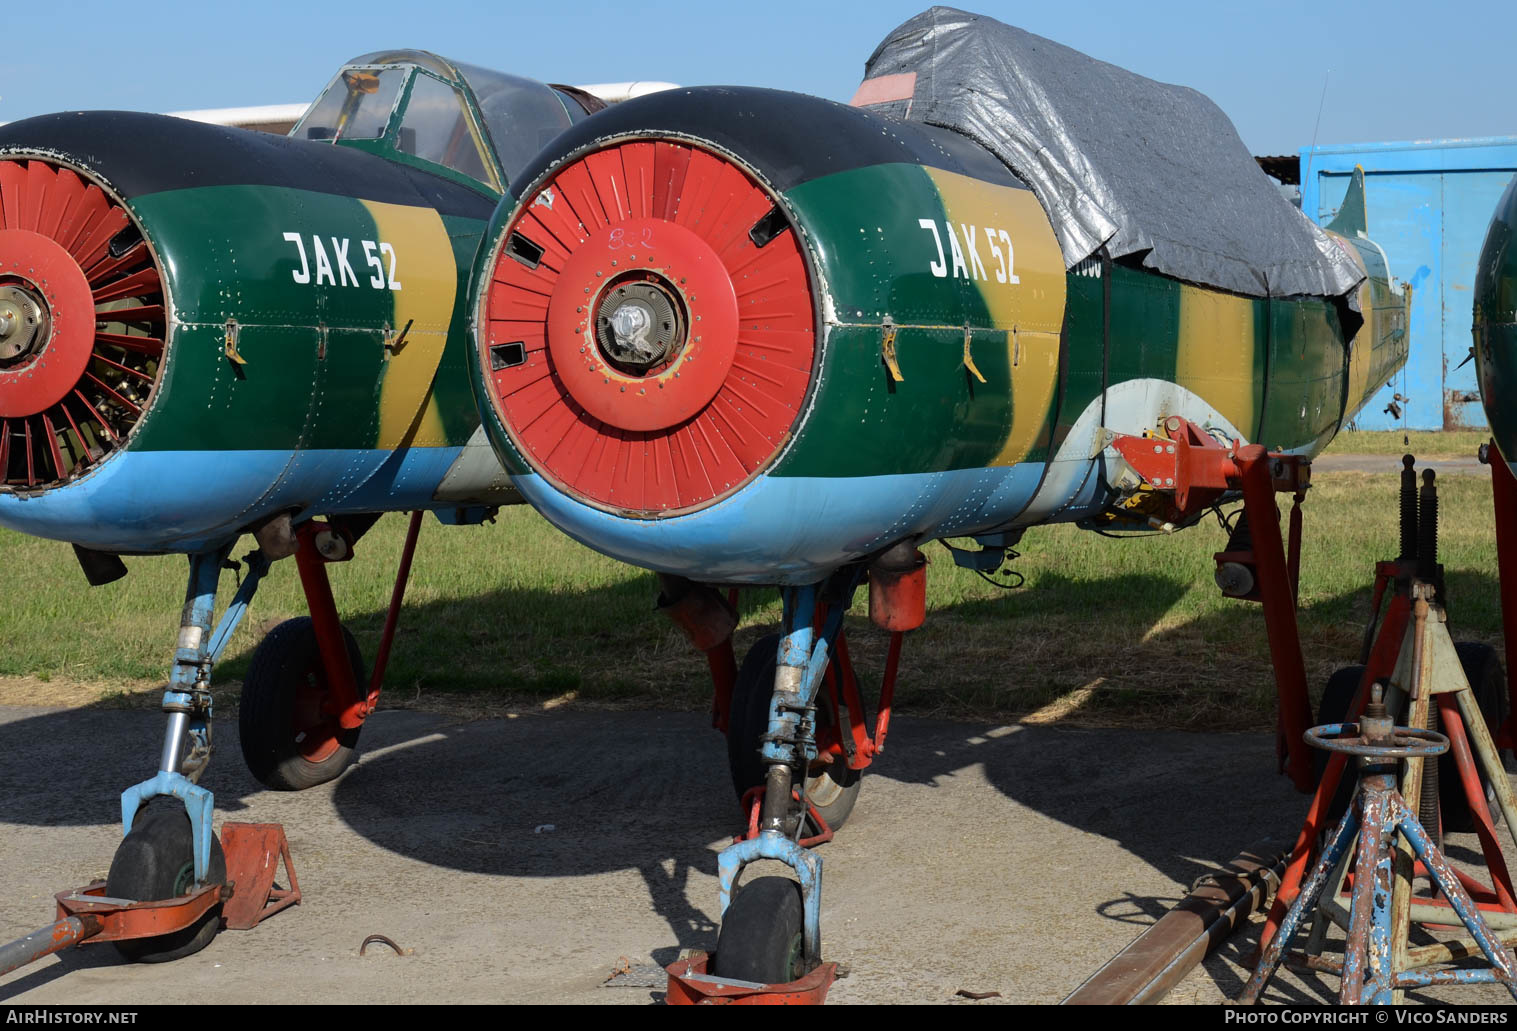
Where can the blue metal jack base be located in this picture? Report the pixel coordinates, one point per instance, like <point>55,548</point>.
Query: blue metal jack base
<point>1377,815</point>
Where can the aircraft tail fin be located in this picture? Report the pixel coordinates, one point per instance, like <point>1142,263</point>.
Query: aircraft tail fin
<point>1351,220</point>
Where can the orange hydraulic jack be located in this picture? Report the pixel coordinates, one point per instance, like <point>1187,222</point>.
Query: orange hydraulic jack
<point>86,915</point>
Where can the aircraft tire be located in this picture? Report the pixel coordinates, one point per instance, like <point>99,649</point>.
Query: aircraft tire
<point>1482,668</point>
<point>287,743</point>
<point>156,861</point>
<point>761,937</point>
<point>1336,699</point>
<point>833,790</point>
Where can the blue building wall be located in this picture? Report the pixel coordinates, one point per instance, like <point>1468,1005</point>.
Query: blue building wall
<point>1429,204</point>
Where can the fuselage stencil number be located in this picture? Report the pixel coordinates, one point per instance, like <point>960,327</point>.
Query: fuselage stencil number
<point>998,240</point>
<point>336,270</point>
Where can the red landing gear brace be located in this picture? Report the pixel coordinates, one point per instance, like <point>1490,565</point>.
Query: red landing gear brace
<point>86,915</point>
<point>708,620</point>
<point>253,850</point>
<point>1197,469</point>
<point>753,804</point>
<point>319,544</point>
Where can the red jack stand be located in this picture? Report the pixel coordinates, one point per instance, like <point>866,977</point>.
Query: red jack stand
<point>1373,966</point>
<point>321,544</point>
<point>1189,470</point>
<point>1415,655</point>
<point>86,915</point>
<point>690,985</point>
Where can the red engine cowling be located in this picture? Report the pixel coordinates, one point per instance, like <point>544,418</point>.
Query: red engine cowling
<point>82,323</point>
<point>649,347</point>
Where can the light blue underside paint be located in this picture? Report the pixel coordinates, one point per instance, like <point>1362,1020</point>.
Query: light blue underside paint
<point>797,529</point>
<point>1429,206</point>
<point>192,500</point>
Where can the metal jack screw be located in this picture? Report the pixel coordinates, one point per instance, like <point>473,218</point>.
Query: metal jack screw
<point>1377,814</point>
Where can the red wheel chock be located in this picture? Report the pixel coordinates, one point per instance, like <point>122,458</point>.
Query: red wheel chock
<point>87,915</point>
<point>253,853</point>
<point>690,985</point>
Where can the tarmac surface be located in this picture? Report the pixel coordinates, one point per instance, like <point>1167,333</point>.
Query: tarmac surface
<point>524,859</point>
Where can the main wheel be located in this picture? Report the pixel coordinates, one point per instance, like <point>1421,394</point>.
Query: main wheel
<point>1482,668</point>
<point>157,861</point>
<point>289,741</point>
<point>1337,697</point>
<point>832,787</point>
<point>761,936</point>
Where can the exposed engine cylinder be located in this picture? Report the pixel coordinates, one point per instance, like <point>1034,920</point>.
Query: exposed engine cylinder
<point>82,324</point>
<point>649,326</point>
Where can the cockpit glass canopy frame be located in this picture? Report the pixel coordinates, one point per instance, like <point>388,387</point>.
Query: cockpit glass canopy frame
<point>358,104</point>
<point>437,126</point>
<point>418,108</point>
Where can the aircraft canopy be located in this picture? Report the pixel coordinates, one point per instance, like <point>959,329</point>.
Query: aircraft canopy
<point>421,103</point>
<point>1148,170</point>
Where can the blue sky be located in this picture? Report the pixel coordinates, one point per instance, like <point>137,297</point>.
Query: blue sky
<point>1394,70</point>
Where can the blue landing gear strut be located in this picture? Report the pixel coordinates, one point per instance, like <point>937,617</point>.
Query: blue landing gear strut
<point>187,700</point>
<point>171,885</point>
<point>788,748</point>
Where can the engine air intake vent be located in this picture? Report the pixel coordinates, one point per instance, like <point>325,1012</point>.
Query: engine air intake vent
<point>655,307</point>
<point>82,324</point>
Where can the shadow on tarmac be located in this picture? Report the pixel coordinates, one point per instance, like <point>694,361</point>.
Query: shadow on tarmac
<point>577,793</point>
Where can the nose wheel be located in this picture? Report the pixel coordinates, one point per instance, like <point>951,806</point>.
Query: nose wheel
<point>156,861</point>
<point>761,940</point>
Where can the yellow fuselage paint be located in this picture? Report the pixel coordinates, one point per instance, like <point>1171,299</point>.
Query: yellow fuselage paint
<point>426,274</point>
<point>1361,348</point>
<point>1021,279</point>
<point>1215,355</point>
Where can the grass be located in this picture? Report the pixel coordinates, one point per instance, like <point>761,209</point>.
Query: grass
<point>1422,443</point>
<point>1124,632</point>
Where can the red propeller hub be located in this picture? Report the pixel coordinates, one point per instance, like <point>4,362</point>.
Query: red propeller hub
<point>647,341</point>
<point>83,328</point>
<point>648,333</point>
<point>47,323</point>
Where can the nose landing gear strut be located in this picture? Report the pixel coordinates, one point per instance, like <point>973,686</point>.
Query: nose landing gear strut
<point>770,946</point>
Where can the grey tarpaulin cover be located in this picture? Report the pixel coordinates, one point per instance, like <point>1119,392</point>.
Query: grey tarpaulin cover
<point>1143,167</point>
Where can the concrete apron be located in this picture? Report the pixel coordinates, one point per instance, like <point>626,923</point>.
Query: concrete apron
<point>524,859</point>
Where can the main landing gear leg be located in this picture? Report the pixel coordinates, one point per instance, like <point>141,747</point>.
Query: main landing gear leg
<point>161,857</point>
<point>771,929</point>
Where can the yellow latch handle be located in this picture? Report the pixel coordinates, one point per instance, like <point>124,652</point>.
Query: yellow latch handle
<point>887,348</point>
<point>230,347</point>
<point>969,357</point>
